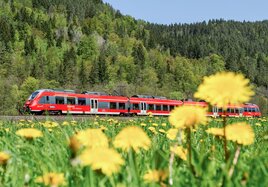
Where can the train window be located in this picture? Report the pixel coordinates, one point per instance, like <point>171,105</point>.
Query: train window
<point>112,105</point>
<point>157,107</point>
<point>44,100</point>
<point>245,109</point>
<point>165,107</point>
<point>33,95</point>
<point>220,110</point>
<point>257,110</point>
<point>81,101</point>
<point>136,106</point>
<point>122,105</point>
<point>59,100</point>
<point>253,109</point>
<point>150,107</point>
<point>171,107</point>
<point>103,105</point>
<point>236,110</point>
<point>70,101</point>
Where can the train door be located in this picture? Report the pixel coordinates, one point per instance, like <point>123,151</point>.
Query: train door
<point>143,108</point>
<point>93,106</point>
<point>215,111</point>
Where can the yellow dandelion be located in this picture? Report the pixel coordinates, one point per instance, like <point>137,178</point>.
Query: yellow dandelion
<point>4,157</point>
<point>216,131</point>
<point>143,124</point>
<point>162,131</point>
<point>172,134</point>
<point>155,176</point>
<point>51,179</point>
<point>241,133</point>
<point>103,128</point>
<point>187,116</point>
<point>155,124</point>
<point>92,138</point>
<point>65,123</point>
<point>105,159</point>
<point>152,129</point>
<point>29,133</point>
<point>163,124</point>
<point>74,144</point>
<point>150,114</point>
<point>132,137</point>
<point>224,88</point>
<point>258,124</point>
<point>179,151</point>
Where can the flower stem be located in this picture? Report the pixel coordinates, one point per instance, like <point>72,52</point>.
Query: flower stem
<point>225,140</point>
<point>133,166</point>
<point>171,160</point>
<point>189,149</point>
<point>237,152</point>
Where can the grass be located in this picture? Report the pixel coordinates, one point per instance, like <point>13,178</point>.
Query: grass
<point>50,153</point>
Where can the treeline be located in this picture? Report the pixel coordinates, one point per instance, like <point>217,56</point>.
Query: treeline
<point>243,45</point>
<point>87,45</point>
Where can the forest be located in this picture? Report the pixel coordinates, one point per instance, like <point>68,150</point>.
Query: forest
<point>88,45</point>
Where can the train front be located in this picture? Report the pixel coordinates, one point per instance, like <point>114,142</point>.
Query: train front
<point>30,104</point>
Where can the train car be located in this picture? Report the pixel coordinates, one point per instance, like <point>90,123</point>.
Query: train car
<point>251,110</point>
<point>144,105</point>
<point>67,101</point>
<point>214,111</point>
<point>55,101</point>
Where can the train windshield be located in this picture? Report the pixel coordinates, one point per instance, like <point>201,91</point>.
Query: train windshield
<point>33,95</point>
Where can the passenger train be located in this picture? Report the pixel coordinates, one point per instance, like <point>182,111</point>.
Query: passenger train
<point>54,101</point>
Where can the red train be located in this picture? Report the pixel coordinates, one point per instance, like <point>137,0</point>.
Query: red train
<point>67,101</point>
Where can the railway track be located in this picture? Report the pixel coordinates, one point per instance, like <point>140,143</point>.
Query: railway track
<point>60,117</point>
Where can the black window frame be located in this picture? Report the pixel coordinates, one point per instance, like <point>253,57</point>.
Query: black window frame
<point>157,107</point>
<point>79,99</point>
<point>122,106</point>
<point>59,98</point>
<point>113,105</point>
<point>165,107</point>
<point>70,99</point>
<point>136,106</point>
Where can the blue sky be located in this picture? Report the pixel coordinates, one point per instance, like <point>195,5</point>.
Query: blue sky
<point>191,11</point>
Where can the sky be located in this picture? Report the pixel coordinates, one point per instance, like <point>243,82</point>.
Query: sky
<point>192,11</point>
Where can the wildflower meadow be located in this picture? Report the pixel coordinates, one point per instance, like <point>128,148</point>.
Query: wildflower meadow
<point>185,149</point>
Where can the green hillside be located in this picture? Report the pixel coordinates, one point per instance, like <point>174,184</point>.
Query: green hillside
<point>87,45</point>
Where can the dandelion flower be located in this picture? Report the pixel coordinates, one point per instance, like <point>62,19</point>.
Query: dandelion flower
<point>132,137</point>
<point>179,151</point>
<point>152,129</point>
<point>74,144</point>
<point>29,133</point>
<point>224,88</point>
<point>4,157</point>
<point>258,124</point>
<point>51,179</point>
<point>92,138</point>
<point>162,131</point>
<point>155,176</point>
<point>65,123</point>
<point>172,134</point>
<point>105,159</point>
<point>241,133</point>
<point>163,124</point>
<point>187,116</point>
<point>155,124</point>
<point>143,124</point>
<point>216,131</point>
